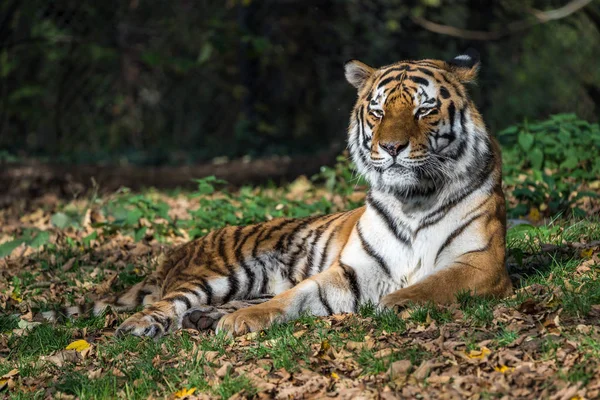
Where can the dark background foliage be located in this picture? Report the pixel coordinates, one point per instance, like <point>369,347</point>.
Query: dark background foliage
<point>183,81</point>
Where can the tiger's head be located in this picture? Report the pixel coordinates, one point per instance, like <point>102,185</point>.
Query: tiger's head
<point>413,128</point>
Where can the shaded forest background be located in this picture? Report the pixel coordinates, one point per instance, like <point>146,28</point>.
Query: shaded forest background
<point>151,82</point>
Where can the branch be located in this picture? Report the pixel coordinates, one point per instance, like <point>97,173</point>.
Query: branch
<point>541,17</point>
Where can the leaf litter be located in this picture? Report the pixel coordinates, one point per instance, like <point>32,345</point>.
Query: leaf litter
<point>544,342</point>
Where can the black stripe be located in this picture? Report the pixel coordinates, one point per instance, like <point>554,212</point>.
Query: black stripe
<point>284,222</point>
<point>323,300</point>
<point>462,145</point>
<point>242,262</point>
<point>388,80</point>
<point>371,252</point>
<point>313,246</point>
<point>435,216</point>
<point>265,282</point>
<point>400,235</point>
<point>365,140</point>
<point>207,290</point>
<point>481,249</point>
<point>444,92</point>
<point>326,248</point>
<point>394,69</point>
<point>293,257</point>
<point>182,299</point>
<point>232,279</point>
<point>217,236</point>
<point>451,84</point>
<point>256,257</point>
<point>141,295</point>
<point>426,71</point>
<point>236,234</point>
<point>188,290</point>
<point>359,138</point>
<point>466,264</point>
<point>163,321</point>
<point>451,114</point>
<point>419,80</point>
<point>234,284</point>
<point>202,285</point>
<point>455,234</point>
<point>350,275</point>
<point>286,239</point>
<point>428,64</point>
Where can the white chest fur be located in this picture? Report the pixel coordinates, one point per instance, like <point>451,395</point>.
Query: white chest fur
<point>390,248</point>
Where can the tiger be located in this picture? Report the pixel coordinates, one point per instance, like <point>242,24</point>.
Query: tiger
<point>433,225</point>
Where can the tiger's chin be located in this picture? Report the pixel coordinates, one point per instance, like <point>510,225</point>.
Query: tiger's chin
<point>404,183</point>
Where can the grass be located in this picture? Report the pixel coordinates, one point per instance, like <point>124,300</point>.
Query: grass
<point>134,368</point>
<point>546,264</point>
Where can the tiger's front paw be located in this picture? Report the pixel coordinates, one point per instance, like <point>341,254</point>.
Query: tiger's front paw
<point>202,318</point>
<point>251,319</point>
<point>395,302</point>
<point>141,325</point>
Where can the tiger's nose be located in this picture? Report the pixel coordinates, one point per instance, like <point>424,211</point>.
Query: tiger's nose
<point>393,148</point>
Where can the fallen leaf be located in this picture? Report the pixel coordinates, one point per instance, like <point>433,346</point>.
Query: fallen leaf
<point>587,253</point>
<point>399,368</point>
<point>78,345</point>
<point>351,345</point>
<point>68,265</point>
<point>25,325</point>
<point>425,368</point>
<point>479,354</point>
<point>221,372</point>
<point>503,369</point>
<point>324,349</point>
<point>207,356</point>
<point>65,356</point>
<point>7,381</point>
<point>183,393</point>
<point>16,297</point>
<point>95,373</point>
<point>384,353</point>
<point>299,334</point>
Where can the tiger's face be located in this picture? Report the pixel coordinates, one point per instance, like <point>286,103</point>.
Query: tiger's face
<point>413,123</point>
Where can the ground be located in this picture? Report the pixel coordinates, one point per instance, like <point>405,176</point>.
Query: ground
<point>543,342</point>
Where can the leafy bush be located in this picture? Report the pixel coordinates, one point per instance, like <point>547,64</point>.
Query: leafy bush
<point>547,162</point>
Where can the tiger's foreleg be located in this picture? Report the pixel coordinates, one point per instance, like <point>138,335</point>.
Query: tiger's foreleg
<point>334,290</point>
<point>477,274</point>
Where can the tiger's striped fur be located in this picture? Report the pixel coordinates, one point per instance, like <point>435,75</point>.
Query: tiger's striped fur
<point>433,224</point>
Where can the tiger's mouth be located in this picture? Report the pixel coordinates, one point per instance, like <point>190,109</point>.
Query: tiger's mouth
<point>409,177</point>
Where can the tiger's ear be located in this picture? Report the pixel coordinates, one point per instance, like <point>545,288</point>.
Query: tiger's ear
<point>465,66</point>
<point>357,73</point>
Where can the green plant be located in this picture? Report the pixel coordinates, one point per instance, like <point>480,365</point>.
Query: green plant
<point>547,162</point>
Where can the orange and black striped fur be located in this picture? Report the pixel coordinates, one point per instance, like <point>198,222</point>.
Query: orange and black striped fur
<point>433,224</point>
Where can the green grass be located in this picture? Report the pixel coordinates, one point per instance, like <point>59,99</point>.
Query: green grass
<point>504,337</point>
<point>130,365</point>
<point>373,365</point>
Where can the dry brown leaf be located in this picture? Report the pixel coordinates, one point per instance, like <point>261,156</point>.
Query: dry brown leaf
<point>399,368</point>
<point>224,369</point>
<point>68,265</point>
<point>62,357</point>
